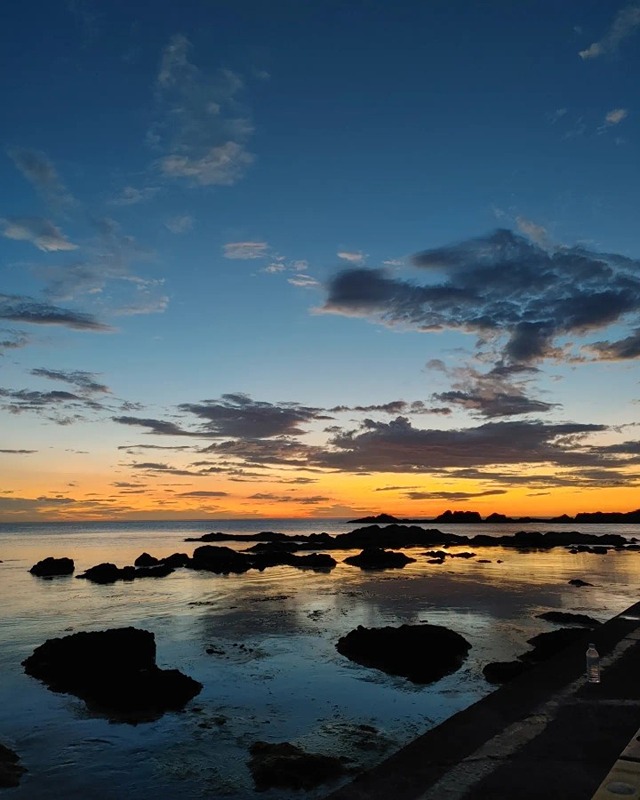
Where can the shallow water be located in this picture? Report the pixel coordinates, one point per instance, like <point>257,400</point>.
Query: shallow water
<point>275,674</point>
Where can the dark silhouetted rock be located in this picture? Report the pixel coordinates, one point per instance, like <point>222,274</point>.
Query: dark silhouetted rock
<point>102,573</point>
<point>568,617</point>
<point>378,558</point>
<point>109,573</point>
<point>52,566</point>
<point>161,571</point>
<point>317,561</point>
<point>549,643</point>
<point>378,518</point>
<point>221,560</point>
<point>579,582</point>
<point>176,560</point>
<point>285,766</point>
<point>145,560</point>
<point>421,653</point>
<point>503,671</point>
<point>10,769</point>
<point>113,671</point>
<point>465,517</point>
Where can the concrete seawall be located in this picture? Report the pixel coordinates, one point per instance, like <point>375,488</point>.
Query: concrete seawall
<point>547,734</point>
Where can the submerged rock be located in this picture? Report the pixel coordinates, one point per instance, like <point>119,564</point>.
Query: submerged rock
<point>421,653</point>
<point>286,766</point>
<point>549,643</point>
<point>378,558</point>
<point>109,573</point>
<point>566,616</point>
<point>10,769</point>
<point>113,671</point>
<point>52,566</point>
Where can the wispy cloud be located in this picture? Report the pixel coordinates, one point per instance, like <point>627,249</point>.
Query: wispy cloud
<point>616,115</point>
<point>179,224</point>
<point>12,340</point>
<point>537,233</point>
<point>131,195</point>
<point>246,251</point>
<point>40,172</point>
<point>39,231</point>
<point>25,309</point>
<point>625,23</point>
<point>353,257</point>
<point>108,258</point>
<point>304,281</point>
<point>84,381</point>
<point>204,130</point>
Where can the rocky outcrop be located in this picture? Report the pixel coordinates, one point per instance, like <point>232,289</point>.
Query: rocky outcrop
<point>421,653</point>
<point>378,558</point>
<point>110,573</point>
<point>568,617</point>
<point>224,560</point>
<point>114,672</point>
<point>10,768</point>
<point>50,566</point>
<point>545,645</point>
<point>283,765</point>
<point>146,560</point>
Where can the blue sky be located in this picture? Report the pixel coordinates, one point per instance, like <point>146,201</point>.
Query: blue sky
<point>327,242</point>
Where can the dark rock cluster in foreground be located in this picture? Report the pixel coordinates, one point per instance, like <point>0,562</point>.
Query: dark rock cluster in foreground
<point>114,672</point>
<point>283,765</point>
<point>10,768</point>
<point>545,645</point>
<point>421,653</point>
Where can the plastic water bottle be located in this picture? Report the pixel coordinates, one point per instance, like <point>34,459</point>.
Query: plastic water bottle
<point>593,664</point>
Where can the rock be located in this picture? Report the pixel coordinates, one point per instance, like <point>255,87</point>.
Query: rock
<point>114,672</point>
<point>566,616</point>
<point>161,571</point>
<point>102,573</point>
<point>503,671</point>
<point>222,560</point>
<point>378,558</point>
<point>10,769</point>
<point>579,582</point>
<point>145,560</point>
<point>421,653</point>
<point>318,561</point>
<point>286,766</point>
<point>53,566</point>
<point>109,573</point>
<point>548,644</point>
<point>459,517</point>
<point>176,560</point>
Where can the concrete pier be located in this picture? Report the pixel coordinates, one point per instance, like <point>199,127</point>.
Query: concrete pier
<point>547,734</point>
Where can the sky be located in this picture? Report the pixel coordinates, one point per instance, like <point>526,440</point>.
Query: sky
<point>316,258</point>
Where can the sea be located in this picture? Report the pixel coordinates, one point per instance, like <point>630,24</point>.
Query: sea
<point>263,644</point>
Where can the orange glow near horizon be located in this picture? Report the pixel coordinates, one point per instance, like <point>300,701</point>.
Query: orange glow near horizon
<point>94,495</point>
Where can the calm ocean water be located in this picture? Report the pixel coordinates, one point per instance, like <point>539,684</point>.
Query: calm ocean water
<point>287,682</point>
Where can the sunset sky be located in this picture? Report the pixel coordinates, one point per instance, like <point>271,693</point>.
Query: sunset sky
<point>320,258</point>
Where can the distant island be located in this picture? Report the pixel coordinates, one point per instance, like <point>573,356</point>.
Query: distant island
<point>472,517</point>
